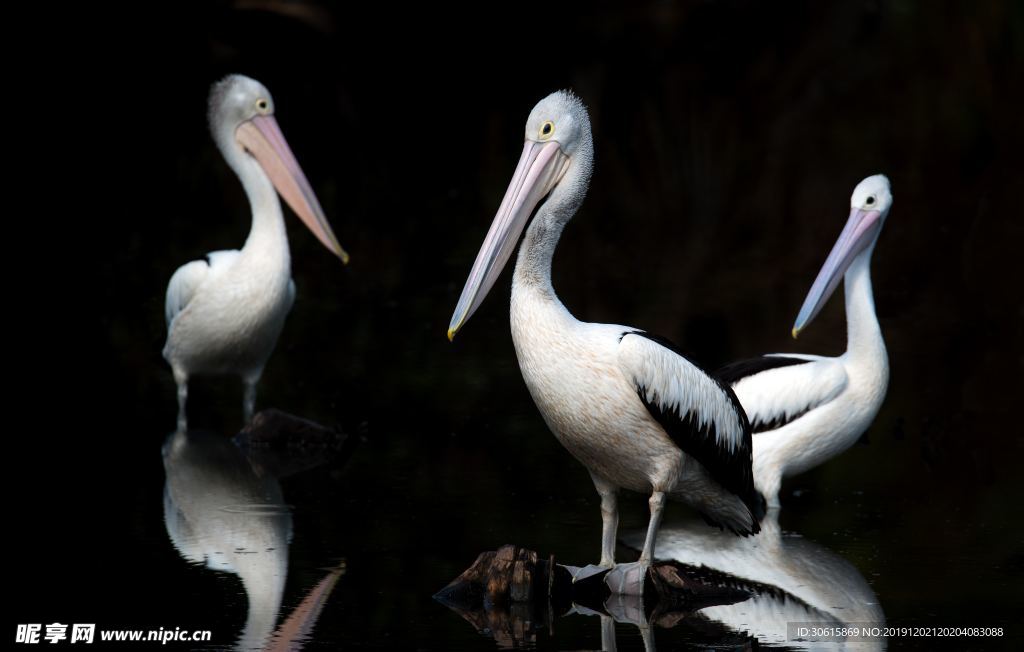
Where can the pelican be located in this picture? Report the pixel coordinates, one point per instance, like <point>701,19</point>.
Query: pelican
<point>225,312</point>
<point>805,409</point>
<point>625,403</point>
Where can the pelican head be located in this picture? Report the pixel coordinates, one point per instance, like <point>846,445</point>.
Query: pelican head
<point>242,121</point>
<point>558,145</point>
<point>869,207</point>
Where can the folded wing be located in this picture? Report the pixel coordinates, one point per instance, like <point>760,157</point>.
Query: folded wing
<point>778,389</point>
<point>701,415</point>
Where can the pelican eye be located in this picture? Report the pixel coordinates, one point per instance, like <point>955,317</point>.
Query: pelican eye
<point>547,129</point>
<point>262,104</point>
<point>871,200</point>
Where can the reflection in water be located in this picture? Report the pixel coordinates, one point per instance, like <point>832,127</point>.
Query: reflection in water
<point>220,512</point>
<point>298,626</point>
<point>708,587</point>
<point>225,509</point>
<point>513,594</point>
<point>790,579</point>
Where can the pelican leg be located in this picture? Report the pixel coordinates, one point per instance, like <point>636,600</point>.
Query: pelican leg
<point>628,579</point>
<point>249,401</point>
<point>181,380</point>
<point>609,520</point>
<point>767,470</point>
<point>772,486</point>
<point>657,503</point>
<point>608,643</point>
<point>648,638</point>
<point>625,608</point>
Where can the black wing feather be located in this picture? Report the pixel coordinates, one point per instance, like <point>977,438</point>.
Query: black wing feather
<point>736,371</point>
<point>731,469</point>
<point>731,373</point>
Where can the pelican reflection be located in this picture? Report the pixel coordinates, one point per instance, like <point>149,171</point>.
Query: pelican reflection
<point>710,588</point>
<point>789,578</point>
<point>225,510</point>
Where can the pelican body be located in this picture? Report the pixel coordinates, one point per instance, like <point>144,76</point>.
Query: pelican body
<point>636,413</point>
<point>805,409</point>
<point>224,313</point>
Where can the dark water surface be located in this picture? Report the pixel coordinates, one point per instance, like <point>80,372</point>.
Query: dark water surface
<point>728,138</point>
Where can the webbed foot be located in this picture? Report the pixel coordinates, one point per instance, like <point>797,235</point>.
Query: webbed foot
<point>627,579</point>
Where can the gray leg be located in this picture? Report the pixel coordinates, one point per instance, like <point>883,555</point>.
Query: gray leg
<point>609,520</point>
<point>771,491</point>
<point>767,470</point>
<point>608,634</point>
<point>648,637</point>
<point>249,402</point>
<point>657,503</point>
<point>181,379</point>
<point>628,579</point>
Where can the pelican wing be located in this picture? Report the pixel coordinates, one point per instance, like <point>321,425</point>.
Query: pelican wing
<point>778,389</point>
<point>701,415</point>
<point>189,277</point>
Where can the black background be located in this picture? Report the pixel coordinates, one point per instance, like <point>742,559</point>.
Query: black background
<point>728,137</point>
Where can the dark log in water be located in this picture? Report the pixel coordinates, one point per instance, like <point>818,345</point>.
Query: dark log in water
<point>500,577</point>
<point>284,444</point>
<point>512,593</point>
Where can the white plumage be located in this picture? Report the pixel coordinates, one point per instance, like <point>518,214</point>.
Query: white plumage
<point>636,413</point>
<point>785,393</point>
<point>805,409</point>
<point>674,383</point>
<point>225,313</point>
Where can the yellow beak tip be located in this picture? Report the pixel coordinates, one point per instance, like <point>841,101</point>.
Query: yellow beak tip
<point>796,333</point>
<point>344,258</point>
<point>451,334</point>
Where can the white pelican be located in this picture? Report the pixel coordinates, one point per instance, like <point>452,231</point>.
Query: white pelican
<point>805,409</point>
<point>224,313</point>
<point>634,411</point>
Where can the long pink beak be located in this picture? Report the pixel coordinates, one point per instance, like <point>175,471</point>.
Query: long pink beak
<point>540,168</point>
<point>262,138</point>
<point>860,231</point>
